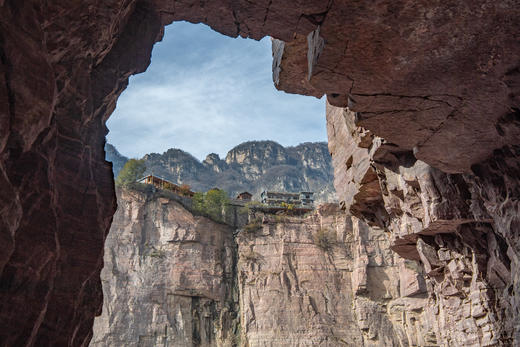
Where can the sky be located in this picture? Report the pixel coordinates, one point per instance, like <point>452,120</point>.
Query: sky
<point>206,93</point>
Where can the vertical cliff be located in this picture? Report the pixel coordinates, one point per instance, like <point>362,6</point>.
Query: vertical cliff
<point>168,278</point>
<point>458,227</point>
<point>329,279</point>
<point>440,82</point>
<point>326,279</point>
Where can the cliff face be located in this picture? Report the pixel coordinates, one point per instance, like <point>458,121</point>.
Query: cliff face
<point>117,159</point>
<point>328,280</point>
<point>252,166</point>
<point>168,278</point>
<point>449,223</point>
<point>324,280</point>
<point>439,81</point>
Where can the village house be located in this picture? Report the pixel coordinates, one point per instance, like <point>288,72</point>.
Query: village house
<point>244,196</point>
<point>161,183</point>
<point>298,200</point>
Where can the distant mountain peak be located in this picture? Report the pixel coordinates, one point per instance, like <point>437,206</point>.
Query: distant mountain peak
<point>250,166</point>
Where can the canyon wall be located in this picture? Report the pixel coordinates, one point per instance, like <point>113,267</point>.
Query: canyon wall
<point>438,81</point>
<point>326,279</point>
<point>454,225</point>
<point>168,278</point>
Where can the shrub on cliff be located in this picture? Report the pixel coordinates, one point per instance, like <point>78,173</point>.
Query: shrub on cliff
<point>253,226</point>
<point>213,204</point>
<point>131,172</point>
<point>287,206</point>
<point>251,206</point>
<point>324,239</point>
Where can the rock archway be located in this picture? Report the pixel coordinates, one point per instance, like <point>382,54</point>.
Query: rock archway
<point>436,79</point>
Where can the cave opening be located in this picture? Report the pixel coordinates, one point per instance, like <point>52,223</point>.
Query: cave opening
<point>433,79</point>
<point>204,93</point>
<point>205,100</point>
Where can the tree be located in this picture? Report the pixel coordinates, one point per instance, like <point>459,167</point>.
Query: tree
<point>131,172</point>
<point>213,203</point>
<point>198,202</point>
<point>185,189</point>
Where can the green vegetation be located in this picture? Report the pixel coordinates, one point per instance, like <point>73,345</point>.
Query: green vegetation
<point>213,204</point>
<point>287,206</point>
<point>325,239</point>
<point>251,206</point>
<point>253,226</point>
<point>131,172</point>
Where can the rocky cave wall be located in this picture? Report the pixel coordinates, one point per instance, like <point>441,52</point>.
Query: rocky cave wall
<point>460,230</point>
<point>438,81</point>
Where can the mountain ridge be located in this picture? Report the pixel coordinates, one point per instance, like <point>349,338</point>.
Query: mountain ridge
<point>250,166</point>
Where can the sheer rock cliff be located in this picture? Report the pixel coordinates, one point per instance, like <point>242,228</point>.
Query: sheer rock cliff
<point>168,278</point>
<point>436,83</point>
<point>456,226</point>
<point>327,279</point>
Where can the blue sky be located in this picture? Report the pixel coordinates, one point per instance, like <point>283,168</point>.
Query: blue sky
<point>205,92</point>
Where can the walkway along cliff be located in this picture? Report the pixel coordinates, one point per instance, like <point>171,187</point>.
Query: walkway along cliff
<point>423,128</point>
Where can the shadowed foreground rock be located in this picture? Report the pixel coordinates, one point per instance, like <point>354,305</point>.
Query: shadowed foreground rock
<point>439,81</point>
<point>463,232</point>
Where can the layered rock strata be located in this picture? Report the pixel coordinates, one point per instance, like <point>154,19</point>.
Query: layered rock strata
<point>449,223</point>
<point>168,278</point>
<point>327,279</point>
<point>440,80</point>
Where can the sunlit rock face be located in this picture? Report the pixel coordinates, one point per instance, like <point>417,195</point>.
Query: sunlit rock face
<point>168,277</point>
<point>357,292</point>
<point>171,278</point>
<point>437,80</point>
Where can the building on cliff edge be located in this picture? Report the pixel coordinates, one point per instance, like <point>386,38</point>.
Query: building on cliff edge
<point>280,199</point>
<point>161,183</point>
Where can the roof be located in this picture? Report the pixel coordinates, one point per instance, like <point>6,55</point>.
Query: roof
<point>280,193</point>
<point>171,184</point>
<point>154,176</point>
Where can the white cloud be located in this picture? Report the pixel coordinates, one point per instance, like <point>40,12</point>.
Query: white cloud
<point>210,98</point>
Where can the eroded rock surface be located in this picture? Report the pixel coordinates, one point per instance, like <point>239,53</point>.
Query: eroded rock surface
<point>327,279</point>
<point>350,290</point>
<point>438,80</point>
<point>168,278</point>
<point>292,292</point>
<point>447,222</point>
